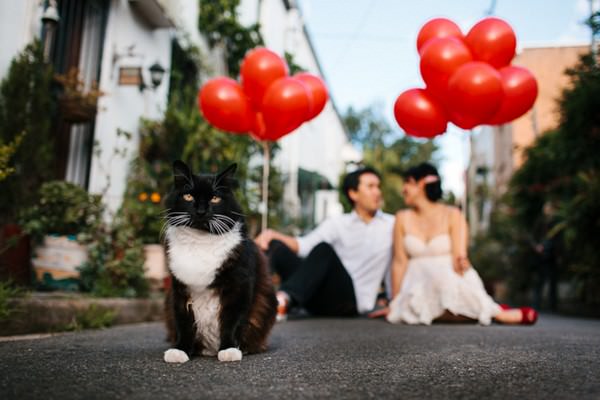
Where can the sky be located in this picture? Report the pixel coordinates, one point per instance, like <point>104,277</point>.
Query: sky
<point>367,50</point>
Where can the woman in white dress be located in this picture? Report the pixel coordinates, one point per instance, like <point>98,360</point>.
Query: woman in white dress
<point>432,278</point>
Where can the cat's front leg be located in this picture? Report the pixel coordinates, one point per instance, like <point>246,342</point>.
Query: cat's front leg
<point>184,326</point>
<point>233,317</point>
<point>229,349</point>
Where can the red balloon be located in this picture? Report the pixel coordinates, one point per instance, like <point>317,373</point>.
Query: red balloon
<point>437,28</point>
<point>419,114</point>
<point>462,121</point>
<point>260,68</point>
<point>475,91</point>
<point>440,58</point>
<point>492,40</point>
<point>225,105</point>
<point>286,105</point>
<point>319,92</point>
<point>520,92</point>
<point>259,130</point>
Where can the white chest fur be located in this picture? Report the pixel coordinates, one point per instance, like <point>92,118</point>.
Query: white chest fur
<point>195,256</point>
<point>206,307</point>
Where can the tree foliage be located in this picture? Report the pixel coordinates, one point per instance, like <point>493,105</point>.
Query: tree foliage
<point>26,111</point>
<point>562,168</point>
<point>218,21</point>
<point>386,150</point>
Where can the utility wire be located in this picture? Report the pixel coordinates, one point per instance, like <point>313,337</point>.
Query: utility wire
<point>356,32</point>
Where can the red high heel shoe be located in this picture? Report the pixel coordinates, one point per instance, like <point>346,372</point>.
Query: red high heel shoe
<point>528,315</point>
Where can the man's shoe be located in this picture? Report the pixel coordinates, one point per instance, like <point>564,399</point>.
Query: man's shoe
<point>283,301</point>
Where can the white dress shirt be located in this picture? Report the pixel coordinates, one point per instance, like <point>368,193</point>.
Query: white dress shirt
<point>365,250</point>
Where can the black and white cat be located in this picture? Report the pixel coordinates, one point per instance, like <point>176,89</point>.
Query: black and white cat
<point>221,302</point>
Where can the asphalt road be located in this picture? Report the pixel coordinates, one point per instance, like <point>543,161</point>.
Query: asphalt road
<point>559,358</point>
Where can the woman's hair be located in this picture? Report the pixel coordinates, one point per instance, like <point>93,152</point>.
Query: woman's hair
<point>433,184</point>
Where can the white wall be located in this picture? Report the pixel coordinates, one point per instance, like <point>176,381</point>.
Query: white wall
<point>128,42</point>
<point>19,24</point>
<point>320,145</point>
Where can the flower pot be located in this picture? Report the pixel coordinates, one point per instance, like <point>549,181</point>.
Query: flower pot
<point>77,110</point>
<point>155,265</point>
<point>56,262</point>
<point>15,255</point>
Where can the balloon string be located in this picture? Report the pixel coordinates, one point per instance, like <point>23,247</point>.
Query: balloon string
<point>265,184</point>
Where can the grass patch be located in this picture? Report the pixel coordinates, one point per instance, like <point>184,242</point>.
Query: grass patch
<point>9,291</point>
<point>94,317</point>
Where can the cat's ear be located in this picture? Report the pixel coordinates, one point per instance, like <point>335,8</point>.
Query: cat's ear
<point>181,174</point>
<point>227,176</point>
<point>227,172</point>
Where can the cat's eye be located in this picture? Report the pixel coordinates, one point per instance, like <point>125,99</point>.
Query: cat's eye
<point>188,197</point>
<point>215,200</point>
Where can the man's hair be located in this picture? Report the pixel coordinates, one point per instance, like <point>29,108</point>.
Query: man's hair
<point>352,180</point>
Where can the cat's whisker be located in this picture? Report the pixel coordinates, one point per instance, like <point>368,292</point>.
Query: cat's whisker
<point>173,214</point>
<point>224,217</point>
<point>222,230</point>
<point>225,220</point>
<point>175,221</point>
<point>213,228</point>
<point>240,214</point>
<point>220,226</point>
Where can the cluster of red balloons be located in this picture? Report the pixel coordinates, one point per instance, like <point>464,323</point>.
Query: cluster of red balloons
<point>469,79</point>
<point>268,103</point>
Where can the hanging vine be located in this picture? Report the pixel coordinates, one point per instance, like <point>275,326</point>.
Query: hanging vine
<point>218,21</point>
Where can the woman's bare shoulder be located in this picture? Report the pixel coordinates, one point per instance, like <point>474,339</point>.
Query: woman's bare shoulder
<point>453,211</point>
<point>403,213</point>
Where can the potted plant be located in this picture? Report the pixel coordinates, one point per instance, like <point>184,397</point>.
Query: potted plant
<point>77,103</point>
<point>142,209</point>
<point>63,212</point>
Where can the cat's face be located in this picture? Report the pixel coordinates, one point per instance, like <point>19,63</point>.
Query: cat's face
<point>203,202</point>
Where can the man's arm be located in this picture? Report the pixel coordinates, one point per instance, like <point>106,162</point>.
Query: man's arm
<point>265,237</point>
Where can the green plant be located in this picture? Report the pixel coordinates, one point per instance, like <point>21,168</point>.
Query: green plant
<point>27,107</point>
<point>115,266</point>
<point>77,101</point>
<point>75,88</point>
<point>93,317</point>
<point>6,152</point>
<point>562,168</point>
<point>218,21</point>
<point>7,292</point>
<point>62,208</point>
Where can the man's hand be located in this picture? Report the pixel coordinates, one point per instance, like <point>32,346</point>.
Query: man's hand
<point>382,312</point>
<point>264,238</point>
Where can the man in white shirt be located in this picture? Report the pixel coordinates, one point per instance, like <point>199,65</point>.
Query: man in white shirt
<point>337,269</point>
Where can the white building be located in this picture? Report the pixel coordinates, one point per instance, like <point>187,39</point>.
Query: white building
<point>320,145</point>
<point>115,42</point>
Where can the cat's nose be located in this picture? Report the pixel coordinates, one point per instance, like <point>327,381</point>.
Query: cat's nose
<point>201,211</point>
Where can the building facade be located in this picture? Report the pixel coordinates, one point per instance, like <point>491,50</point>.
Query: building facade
<point>497,151</point>
<point>115,45</point>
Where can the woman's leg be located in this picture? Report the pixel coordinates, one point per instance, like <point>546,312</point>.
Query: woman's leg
<point>514,316</point>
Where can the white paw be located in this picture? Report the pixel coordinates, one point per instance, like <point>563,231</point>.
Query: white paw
<point>176,356</point>
<point>230,354</point>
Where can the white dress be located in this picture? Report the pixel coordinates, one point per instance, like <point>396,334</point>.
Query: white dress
<point>431,286</point>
